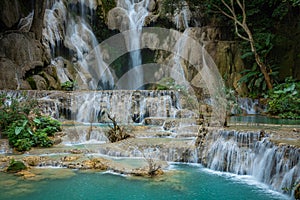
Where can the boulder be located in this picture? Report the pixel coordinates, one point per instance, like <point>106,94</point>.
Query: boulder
<point>40,82</point>
<point>26,52</point>
<point>16,166</point>
<point>151,5</point>
<point>8,74</point>
<point>25,174</point>
<point>118,19</point>
<point>20,53</point>
<point>32,160</point>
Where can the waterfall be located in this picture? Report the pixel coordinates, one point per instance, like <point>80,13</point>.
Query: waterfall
<point>249,106</point>
<point>68,24</point>
<point>136,13</point>
<point>177,71</point>
<point>182,16</point>
<point>246,153</point>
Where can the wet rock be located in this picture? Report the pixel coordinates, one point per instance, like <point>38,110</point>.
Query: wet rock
<point>69,158</point>
<point>15,166</point>
<point>172,124</point>
<point>25,174</point>
<point>95,163</point>
<point>39,82</point>
<point>76,151</point>
<point>118,19</point>
<point>154,121</point>
<point>184,113</point>
<point>33,160</point>
<point>151,6</point>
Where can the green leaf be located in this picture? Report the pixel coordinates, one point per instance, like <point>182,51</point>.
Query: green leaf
<point>29,131</point>
<point>37,120</point>
<point>245,55</point>
<point>290,88</point>
<point>18,130</point>
<point>258,82</point>
<point>24,123</point>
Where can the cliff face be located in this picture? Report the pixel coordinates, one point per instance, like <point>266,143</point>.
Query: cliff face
<point>20,54</point>
<point>26,63</point>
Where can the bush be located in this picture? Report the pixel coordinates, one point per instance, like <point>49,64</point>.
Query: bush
<point>284,100</point>
<point>24,126</point>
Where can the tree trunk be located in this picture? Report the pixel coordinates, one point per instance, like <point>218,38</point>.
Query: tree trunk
<point>38,18</point>
<point>262,66</point>
<point>242,22</point>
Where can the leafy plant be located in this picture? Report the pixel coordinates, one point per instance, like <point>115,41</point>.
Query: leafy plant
<point>284,99</point>
<point>69,85</point>
<point>23,124</point>
<point>13,109</point>
<point>254,79</point>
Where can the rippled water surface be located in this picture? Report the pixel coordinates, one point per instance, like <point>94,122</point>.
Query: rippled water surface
<point>181,182</point>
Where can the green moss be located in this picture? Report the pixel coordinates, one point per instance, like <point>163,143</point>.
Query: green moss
<point>16,166</point>
<point>32,83</point>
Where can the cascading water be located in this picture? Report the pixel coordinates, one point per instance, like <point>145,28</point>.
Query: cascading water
<point>181,20</point>
<point>136,13</point>
<point>247,153</point>
<point>182,16</point>
<point>78,37</point>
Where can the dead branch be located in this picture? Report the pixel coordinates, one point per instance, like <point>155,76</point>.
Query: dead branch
<point>116,133</point>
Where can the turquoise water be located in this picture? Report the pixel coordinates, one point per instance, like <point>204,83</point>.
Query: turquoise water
<point>259,119</point>
<point>183,182</point>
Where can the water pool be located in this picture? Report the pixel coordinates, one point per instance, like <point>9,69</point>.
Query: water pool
<point>182,182</point>
<point>262,120</point>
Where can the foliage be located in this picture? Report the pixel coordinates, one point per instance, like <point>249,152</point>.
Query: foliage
<point>69,85</point>
<point>284,99</point>
<point>13,109</point>
<point>15,166</point>
<point>99,24</point>
<point>168,83</point>
<point>266,27</point>
<point>254,79</point>
<point>23,124</point>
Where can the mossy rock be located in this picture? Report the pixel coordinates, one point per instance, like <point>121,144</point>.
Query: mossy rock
<point>16,166</point>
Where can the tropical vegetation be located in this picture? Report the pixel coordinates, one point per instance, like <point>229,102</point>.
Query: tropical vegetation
<point>23,124</point>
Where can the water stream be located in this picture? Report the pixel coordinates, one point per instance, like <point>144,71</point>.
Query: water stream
<point>136,12</point>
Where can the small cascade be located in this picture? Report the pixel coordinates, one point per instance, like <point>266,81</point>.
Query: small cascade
<point>247,153</point>
<point>177,71</point>
<point>249,106</point>
<point>128,106</point>
<point>84,135</point>
<point>136,13</point>
<point>181,20</point>
<point>182,16</point>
